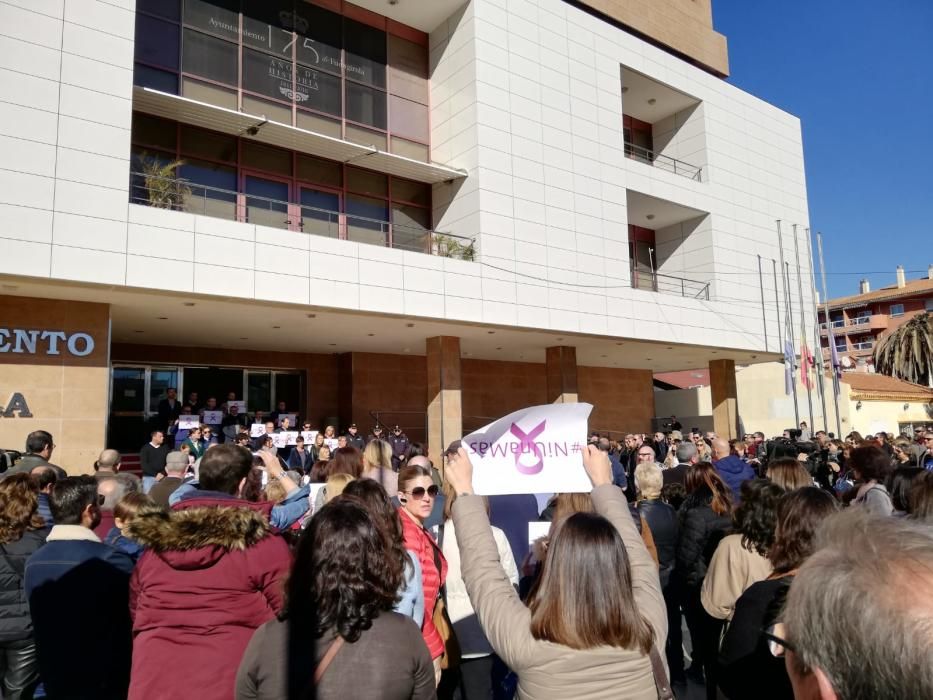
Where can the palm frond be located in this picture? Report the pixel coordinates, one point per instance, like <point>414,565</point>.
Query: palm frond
<point>907,352</point>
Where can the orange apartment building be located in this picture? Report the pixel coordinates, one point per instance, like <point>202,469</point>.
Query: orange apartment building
<point>859,321</point>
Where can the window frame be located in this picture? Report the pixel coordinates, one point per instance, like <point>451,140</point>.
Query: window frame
<point>891,310</point>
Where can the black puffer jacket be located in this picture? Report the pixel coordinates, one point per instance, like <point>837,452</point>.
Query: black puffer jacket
<point>15,622</point>
<point>701,529</point>
<point>662,521</point>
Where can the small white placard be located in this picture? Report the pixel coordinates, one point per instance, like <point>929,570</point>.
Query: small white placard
<point>309,436</point>
<point>257,429</point>
<point>537,530</point>
<point>188,422</point>
<point>241,405</point>
<point>213,417</point>
<point>280,440</point>
<point>331,443</point>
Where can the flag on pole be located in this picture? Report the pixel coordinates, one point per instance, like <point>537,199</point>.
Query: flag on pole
<point>834,360</point>
<point>806,363</point>
<point>788,367</point>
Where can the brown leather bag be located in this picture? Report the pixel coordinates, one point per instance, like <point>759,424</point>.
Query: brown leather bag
<point>451,656</point>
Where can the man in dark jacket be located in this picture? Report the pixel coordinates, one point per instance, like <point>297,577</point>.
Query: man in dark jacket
<point>733,470</point>
<point>399,442</point>
<point>152,459</point>
<point>169,409</point>
<point>354,439</point>
<point>39,448</point>
<point>686,455</point>
<point>45,478</point>
<point>75,582</point>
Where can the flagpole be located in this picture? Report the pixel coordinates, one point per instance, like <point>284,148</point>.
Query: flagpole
<point>777,304</point>
<point>832,340</point>
<point>789,324</point>
<point>816,331</point>
<point>764,318</point>
<point>804,361</point>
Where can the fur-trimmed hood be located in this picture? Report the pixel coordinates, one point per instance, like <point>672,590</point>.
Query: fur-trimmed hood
<point>198,536</point>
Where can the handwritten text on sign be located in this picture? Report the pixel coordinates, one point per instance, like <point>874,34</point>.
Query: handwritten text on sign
<point>535,450</point>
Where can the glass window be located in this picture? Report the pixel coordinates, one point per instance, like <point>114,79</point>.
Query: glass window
<point>365,53</point>
<point>153,131</point>
<point>411,218</point>
<point>408,69</point>
<point>220,17</point>
<point>367,207</point>
<point>207,144</point>
<point>323,172</point>
<point>267,75</point>
<point>288,389</point>
<point>366,105</point>
<point>267,25</point>
<point>266,202</point>
<point>160,381</point>
<point>261,157</point>
<point>164,8</point>
<point>365,220</point>
<point>320,212</point>
<point>897,309</point>
<point>409,119</point>
<point>212,189</point>
<point>209,58</point>
<point>928,305</point>
<point>156,42</point>
<point>318,43</point>
<point>161,80</point>
<point>322,89</point>
<point>258,391</point>
<point>411,191</point>
<point>367,182</point>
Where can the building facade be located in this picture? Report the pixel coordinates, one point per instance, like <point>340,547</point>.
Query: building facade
<point>859,321</point>
<point>419,213</point>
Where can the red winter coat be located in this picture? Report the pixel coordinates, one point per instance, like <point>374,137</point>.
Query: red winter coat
<point>423,544</point>
<point>212,573</point>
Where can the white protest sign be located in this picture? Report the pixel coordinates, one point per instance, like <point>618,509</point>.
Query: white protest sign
<point>241,405</point>
<point>186,422</point>
<point>213,417</point>
<point>537,530</point>
<point>534,450</point>
<point>284,439</point>
<point>257,430</point>
<point>331,443</point>
<point>309,436</point>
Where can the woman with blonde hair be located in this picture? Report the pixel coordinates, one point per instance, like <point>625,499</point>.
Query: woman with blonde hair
<point>789,474</point>
<point>335,485</point>
<point>377,465</point>
<point>22,532</point>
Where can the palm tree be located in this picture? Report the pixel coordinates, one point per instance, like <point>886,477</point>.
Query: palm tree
<point>164,189</point>
<point>907,352</point>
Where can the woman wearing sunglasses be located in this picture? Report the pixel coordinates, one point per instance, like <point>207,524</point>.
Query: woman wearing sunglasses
<point>416,494</point>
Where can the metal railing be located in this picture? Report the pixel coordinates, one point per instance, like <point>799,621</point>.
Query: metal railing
<point>667,284</point>
<point>859,320</point>
<point>178,194</point>
<point>864,345</point>
<point>835,324</point>
<point>659,160</point>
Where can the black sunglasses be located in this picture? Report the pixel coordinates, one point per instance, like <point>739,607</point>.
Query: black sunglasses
<point>777,645</point>
<point>418,492</point>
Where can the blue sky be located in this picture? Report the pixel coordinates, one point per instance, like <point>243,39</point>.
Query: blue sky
<point>858,74</point>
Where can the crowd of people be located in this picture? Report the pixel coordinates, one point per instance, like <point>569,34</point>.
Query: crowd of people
<point>236,568</point>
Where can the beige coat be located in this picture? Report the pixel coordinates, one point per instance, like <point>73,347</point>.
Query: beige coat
<point>548,671</point>
<point>732,570</point>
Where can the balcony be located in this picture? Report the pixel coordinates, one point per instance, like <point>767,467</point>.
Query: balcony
<point>859,324</point>
<point>663,162</point>
<point>864,345</point>
<point>181,195</point>
<point>666,284</point>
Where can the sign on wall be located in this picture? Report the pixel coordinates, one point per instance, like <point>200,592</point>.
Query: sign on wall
<point>26,341</point>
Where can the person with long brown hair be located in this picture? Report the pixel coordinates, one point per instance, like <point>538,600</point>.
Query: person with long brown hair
<point>377,464</point>
<point>597,618</point>
<point>22,532</point>
<point>338,631</point>
<point>788,473</point>
<point>703,520</point>
<point>747,669</point>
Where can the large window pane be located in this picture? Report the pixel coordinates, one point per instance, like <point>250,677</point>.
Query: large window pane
<point>319,33</point>
<point>268,24</point>
<point>410,228</point>
<point>323,172</point>
<point>323,91</point>
<point>365,53</point>
<point>219,17</point>
<point>266,202</point>
<point>156,42</point>
<point>207,144</point>
<point>209,58</point>
<point>161,80</point>
<point>408,69</point>
<point>409,119</point>
<point>153,131</point>
<point>320,212</point>
<point>213,189</point>
<point>262,157</point>
<point>366,105</point>
<point>164,8</point>
<point>258,391</point>
<point>367,182</point>
<point>366,219</point>
<point>267,75</point>
<point>411,191</point>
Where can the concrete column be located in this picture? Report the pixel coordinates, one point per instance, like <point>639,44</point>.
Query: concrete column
<point>562,374</point>
<point>724,398</point>
<point>445,408</point>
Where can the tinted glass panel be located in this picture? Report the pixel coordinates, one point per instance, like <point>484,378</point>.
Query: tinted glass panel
<point>152,131</point>
<point>268,204</point>
<point>211,175</point>
<point>144,76</point>
<point>408,69</point>
<point>267,25</point>
<point>366,207</point>
<point>366,105</point>
<point>208,144</point>
<point>156,42</point>
<point>169,9</point>
<point>323,91</point>
<point>367,182</point>
<point>409,191</point>
<point>319,37</point>
<point>209,57</point>
<point>317,170</point>
<point>365,53</point>
<point>267,75</point>
<point>409,119</point>
<point>257,155</point>
<point>220,17</point>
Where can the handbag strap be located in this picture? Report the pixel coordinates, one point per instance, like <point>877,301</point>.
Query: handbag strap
<point>328,658</point>
<point>661,681</point>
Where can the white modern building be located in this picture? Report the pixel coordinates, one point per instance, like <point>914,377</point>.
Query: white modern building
<point>418,212</point>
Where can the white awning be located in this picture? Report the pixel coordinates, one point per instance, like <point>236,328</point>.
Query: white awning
<point>228,121</point>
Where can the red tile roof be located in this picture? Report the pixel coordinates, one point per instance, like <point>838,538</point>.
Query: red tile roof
<point>881,387</point>
<point>921,287</point>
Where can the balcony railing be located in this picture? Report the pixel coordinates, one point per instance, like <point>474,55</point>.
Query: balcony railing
<point>835,324</point>
<point>666,284</point>
<point>864,345</point>
<point>181,195</point>
<point>659,160</point>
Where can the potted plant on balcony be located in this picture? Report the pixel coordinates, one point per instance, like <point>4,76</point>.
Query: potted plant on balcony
<point>164,189</point>
<point>450,247</point>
